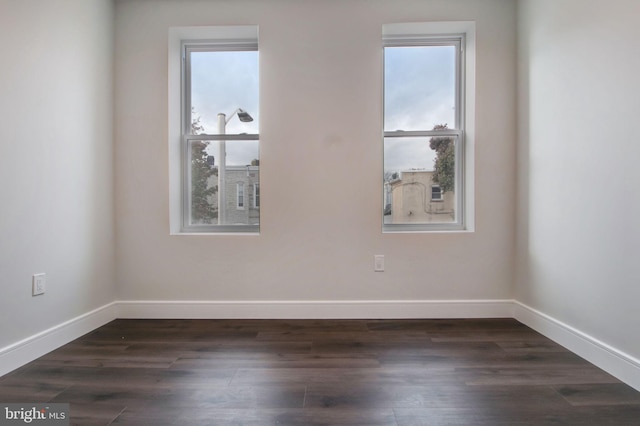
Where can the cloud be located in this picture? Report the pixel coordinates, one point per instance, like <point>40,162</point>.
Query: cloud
<point>419,87</point>
<point>222,82</point>
<point>239,153</point>
<point>402,154</point>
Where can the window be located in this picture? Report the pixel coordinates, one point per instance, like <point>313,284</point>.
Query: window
<point>426,101</point>
<point>436,193</point>
<point>240,195</point>
<point>218,139</point>
<point>256,196</point>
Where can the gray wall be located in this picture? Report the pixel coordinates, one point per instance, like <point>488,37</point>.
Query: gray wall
<point>578,234</point>
<point>56,161</point>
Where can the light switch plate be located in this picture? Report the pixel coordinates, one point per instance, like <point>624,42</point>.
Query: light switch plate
<point>378,263</point>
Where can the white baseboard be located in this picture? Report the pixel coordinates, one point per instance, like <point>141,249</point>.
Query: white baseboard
<point>356,309</point>
<point>20,353</point>
<point>615,362</point>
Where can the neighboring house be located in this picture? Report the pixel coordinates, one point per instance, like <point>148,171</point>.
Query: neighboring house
<point>415,198</point>
<point>242,194</point>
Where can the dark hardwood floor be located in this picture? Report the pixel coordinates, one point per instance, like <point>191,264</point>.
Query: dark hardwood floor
<point>313,372</point>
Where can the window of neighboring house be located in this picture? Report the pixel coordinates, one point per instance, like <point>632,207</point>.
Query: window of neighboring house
<point>240,195</point>
<point>426,152</point>
<point>256,195</point>
<point>219,125</point>
<point>436,193</point>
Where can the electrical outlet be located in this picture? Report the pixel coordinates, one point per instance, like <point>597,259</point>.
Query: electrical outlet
<point>378,263</point>
<point>38,282</point>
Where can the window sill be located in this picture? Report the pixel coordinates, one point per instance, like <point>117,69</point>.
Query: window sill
<point>426,229</point>
<point>220,230</point>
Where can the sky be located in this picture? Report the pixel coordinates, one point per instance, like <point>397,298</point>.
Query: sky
<point>419,92</point>
<point>222,82</point>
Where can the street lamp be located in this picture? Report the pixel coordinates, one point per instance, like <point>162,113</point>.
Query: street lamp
<point>244,117</point>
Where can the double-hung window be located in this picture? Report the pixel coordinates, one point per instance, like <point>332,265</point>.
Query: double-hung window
<point>219,141</point>
<point>425,153</point>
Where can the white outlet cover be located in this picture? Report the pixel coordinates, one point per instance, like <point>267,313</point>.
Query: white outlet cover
<point>38,284</point>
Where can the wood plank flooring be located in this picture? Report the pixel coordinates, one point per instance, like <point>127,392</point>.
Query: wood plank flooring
<point>322,372</point>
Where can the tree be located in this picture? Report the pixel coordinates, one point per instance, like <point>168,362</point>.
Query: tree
<point>201,170</point>
<point>390,176</point>
<point>445,162</point>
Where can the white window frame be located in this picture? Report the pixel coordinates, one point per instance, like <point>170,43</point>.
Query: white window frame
<point>234,38</point>
<point>462,35</point>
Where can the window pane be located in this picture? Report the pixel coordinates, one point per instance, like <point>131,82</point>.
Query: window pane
<point>242,169</point>
<point>416,170</point>
<point>436,193</point>
<point>222,82</point>
<point>419,87</point>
